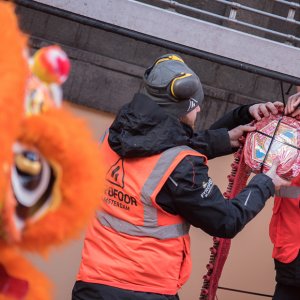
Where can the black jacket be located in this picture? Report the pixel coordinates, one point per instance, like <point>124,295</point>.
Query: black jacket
<point>142,128</point>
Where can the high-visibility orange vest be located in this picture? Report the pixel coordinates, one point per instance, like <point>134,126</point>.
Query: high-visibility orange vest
<point>133,243</point>
<point>285,224</point>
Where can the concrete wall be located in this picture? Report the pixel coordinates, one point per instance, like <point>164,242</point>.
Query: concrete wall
<point>107,68</point>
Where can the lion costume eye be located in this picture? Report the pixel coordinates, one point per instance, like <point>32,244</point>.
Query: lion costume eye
<point>32,184</point>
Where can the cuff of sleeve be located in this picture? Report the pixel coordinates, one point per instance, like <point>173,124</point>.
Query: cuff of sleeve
<point>245,112</point>
<point>265,183</point>
<point>223,148</point>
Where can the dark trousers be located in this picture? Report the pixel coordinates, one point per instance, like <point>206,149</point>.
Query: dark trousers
<point>285,292</point>
<point>288,280</point>
<point>92,291</point>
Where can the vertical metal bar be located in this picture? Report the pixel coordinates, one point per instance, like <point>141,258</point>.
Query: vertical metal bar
<point>233,13</point>
<point>291,17</point>
<point>291,14</point>
<point>172,5</point>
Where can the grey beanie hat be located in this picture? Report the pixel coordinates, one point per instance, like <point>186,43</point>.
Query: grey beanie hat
<point>173,85</point>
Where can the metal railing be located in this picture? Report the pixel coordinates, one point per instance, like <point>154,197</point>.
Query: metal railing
<point>61,13</point>
<point>233,8</point>
<point>290,4</point>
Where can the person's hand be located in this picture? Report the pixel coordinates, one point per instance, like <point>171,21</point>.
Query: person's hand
<point>260,110</point>
<point>237,132</point>
<point>292,108</point>
<point>278,181</point>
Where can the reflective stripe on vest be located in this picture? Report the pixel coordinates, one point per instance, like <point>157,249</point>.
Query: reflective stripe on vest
<point>101,140</point>
<point>165,161</point>
<point>150,227</point>
<point>159,232</point>
<point>289,192</point>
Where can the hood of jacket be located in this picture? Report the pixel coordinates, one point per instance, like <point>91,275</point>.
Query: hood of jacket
<point>143,128</point>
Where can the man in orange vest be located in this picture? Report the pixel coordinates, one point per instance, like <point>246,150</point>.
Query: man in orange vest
<point>285,230</point>
<point>157,185</point>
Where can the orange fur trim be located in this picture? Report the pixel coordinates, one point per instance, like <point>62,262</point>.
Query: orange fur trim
<point>39,286</point>
<point>13,76</point>
<point>65,140</point>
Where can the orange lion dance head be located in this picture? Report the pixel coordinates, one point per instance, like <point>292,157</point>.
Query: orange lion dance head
<point>55,174</point>
<point>13,77</point>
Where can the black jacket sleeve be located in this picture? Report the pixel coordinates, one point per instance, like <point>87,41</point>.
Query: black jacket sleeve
<point>211,143</point>
<point>234,118</point>
<point>215,141</point>
<point>191,193</point>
